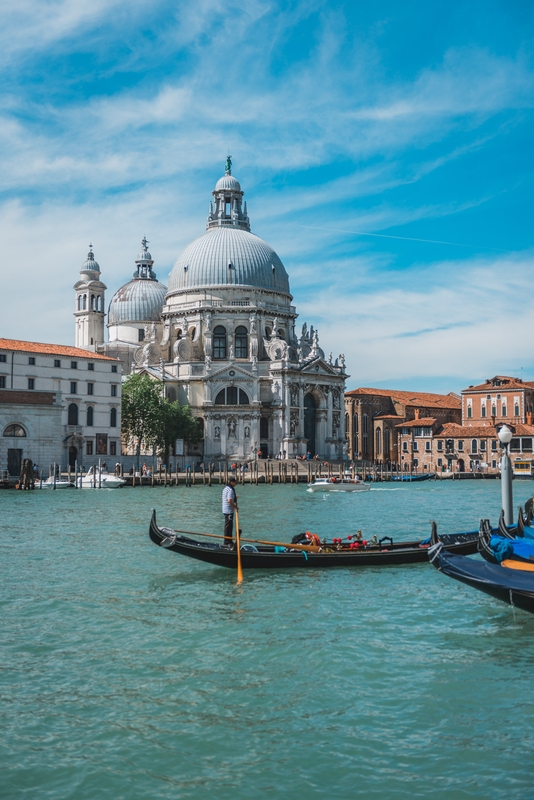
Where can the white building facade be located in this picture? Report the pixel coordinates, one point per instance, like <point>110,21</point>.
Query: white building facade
<point>58,404</point>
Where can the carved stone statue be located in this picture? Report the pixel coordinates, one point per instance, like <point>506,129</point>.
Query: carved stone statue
<point>207,327</point>
<point>231,429</point>
<point>228,165</point>
<point>247,432</point>
<point>253,323</point>
<point>217,432</point>
<point>231,352</point>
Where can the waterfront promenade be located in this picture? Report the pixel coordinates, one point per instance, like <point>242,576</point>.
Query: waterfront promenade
<point>266,471</point>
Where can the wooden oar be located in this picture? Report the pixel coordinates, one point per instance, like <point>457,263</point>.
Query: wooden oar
<point>312,548</point>
<point>238,543</point>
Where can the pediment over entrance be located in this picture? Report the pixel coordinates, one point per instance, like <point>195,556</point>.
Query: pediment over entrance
<point>320,367</point>
<point>232,373</point>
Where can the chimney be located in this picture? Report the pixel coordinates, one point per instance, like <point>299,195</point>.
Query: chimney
<point>416,412</point>
<point>529,417</point>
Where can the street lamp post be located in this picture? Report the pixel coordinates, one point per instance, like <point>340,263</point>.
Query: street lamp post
<point>505,437</point>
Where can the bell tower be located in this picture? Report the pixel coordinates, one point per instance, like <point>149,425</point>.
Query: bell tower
<point>90,299</point>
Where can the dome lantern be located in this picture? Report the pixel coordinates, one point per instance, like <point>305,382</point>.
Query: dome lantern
<point>140,300</point>
<point>228,211</point>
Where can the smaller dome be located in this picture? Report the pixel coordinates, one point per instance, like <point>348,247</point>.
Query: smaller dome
<point>90,263</point>
<point>140,300</point>
<point>228,183</point>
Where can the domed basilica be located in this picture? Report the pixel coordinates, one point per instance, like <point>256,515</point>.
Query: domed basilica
<point>222,337</point>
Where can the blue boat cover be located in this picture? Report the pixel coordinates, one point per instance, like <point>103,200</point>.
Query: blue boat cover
<point>528,532</point>
<point>480,572</point>
<point>507,548</point>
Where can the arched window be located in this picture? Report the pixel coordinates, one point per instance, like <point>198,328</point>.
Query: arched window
<point>232,396</point>
<point>378,441</point>
<point>474,446</point>
<point>241,342</point>
<point>84,302</point>
<point>80,301</point>
<point>200,427</point>
<point>90,415</point>
<point>516,410</point>
<point>93,304</point>
<point>219,342</point>
<point>346,426</point>
<point>73,414</point>
<point>365,433</point>
<point>113,418</point>
<point>14,430</point>
<point>387,443</point>
<point>264,428</point>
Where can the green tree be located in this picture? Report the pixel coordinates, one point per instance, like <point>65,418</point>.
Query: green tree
<point>150,420</point>
<point>175,422</point>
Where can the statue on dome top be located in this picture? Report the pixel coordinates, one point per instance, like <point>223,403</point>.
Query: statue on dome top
<point>228,165</point>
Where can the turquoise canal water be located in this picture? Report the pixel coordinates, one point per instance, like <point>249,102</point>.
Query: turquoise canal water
<point>128,671</point>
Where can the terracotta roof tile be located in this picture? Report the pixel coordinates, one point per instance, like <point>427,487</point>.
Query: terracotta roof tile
<point>424,422</point>
<point>427,399</point>
<point>452,430</point>
<point>52,350</point>
<point>506,383</point>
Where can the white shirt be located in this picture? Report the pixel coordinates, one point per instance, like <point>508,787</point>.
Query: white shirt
<point>228,494</point>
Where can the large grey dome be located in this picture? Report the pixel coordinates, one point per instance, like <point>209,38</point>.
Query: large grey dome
<point>205,262</point>
<point>140,300</point>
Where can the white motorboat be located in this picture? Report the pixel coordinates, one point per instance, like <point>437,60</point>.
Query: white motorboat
<point>99,480</point>
<point>61,483</point>
<point>338,485</point>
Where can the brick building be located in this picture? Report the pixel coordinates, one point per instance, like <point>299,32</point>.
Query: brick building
<point>372,418</point>
<point>473,445</point>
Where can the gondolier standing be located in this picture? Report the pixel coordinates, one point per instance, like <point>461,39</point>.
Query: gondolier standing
<point>229,505</point>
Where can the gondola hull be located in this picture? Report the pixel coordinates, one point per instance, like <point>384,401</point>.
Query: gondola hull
<point>270,557</point>
<point>511,586</point>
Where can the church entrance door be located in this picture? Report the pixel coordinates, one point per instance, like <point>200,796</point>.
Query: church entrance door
<point>73,455</point>
<point>309,422</point>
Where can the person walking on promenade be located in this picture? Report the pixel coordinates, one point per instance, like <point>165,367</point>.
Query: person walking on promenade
<point>229,505</point>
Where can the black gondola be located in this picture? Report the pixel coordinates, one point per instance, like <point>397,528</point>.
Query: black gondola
<point>265,555</point>
<point>513,586</point>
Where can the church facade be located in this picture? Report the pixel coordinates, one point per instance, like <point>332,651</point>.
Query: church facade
<point>223,339</point>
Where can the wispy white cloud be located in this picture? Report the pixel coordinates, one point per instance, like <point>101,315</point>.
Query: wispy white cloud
<point>323,138</point>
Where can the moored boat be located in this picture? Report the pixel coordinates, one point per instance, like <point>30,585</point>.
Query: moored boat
<point>60,483</point>
<point>335,484</point>
<point>511,582</point>
<point>95,479</point>
<point>257,554</point>
<point>413,478</point>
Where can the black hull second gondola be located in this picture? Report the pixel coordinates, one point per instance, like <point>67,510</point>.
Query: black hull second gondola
<point>270,556</point>
<point>509,585</point>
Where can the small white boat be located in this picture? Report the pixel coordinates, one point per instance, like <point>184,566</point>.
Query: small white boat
<point>103,480</point>
<point>61,483</point>
<point>338,485</point>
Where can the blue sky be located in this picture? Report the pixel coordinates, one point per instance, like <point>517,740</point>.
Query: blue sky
<point>385,151</point>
